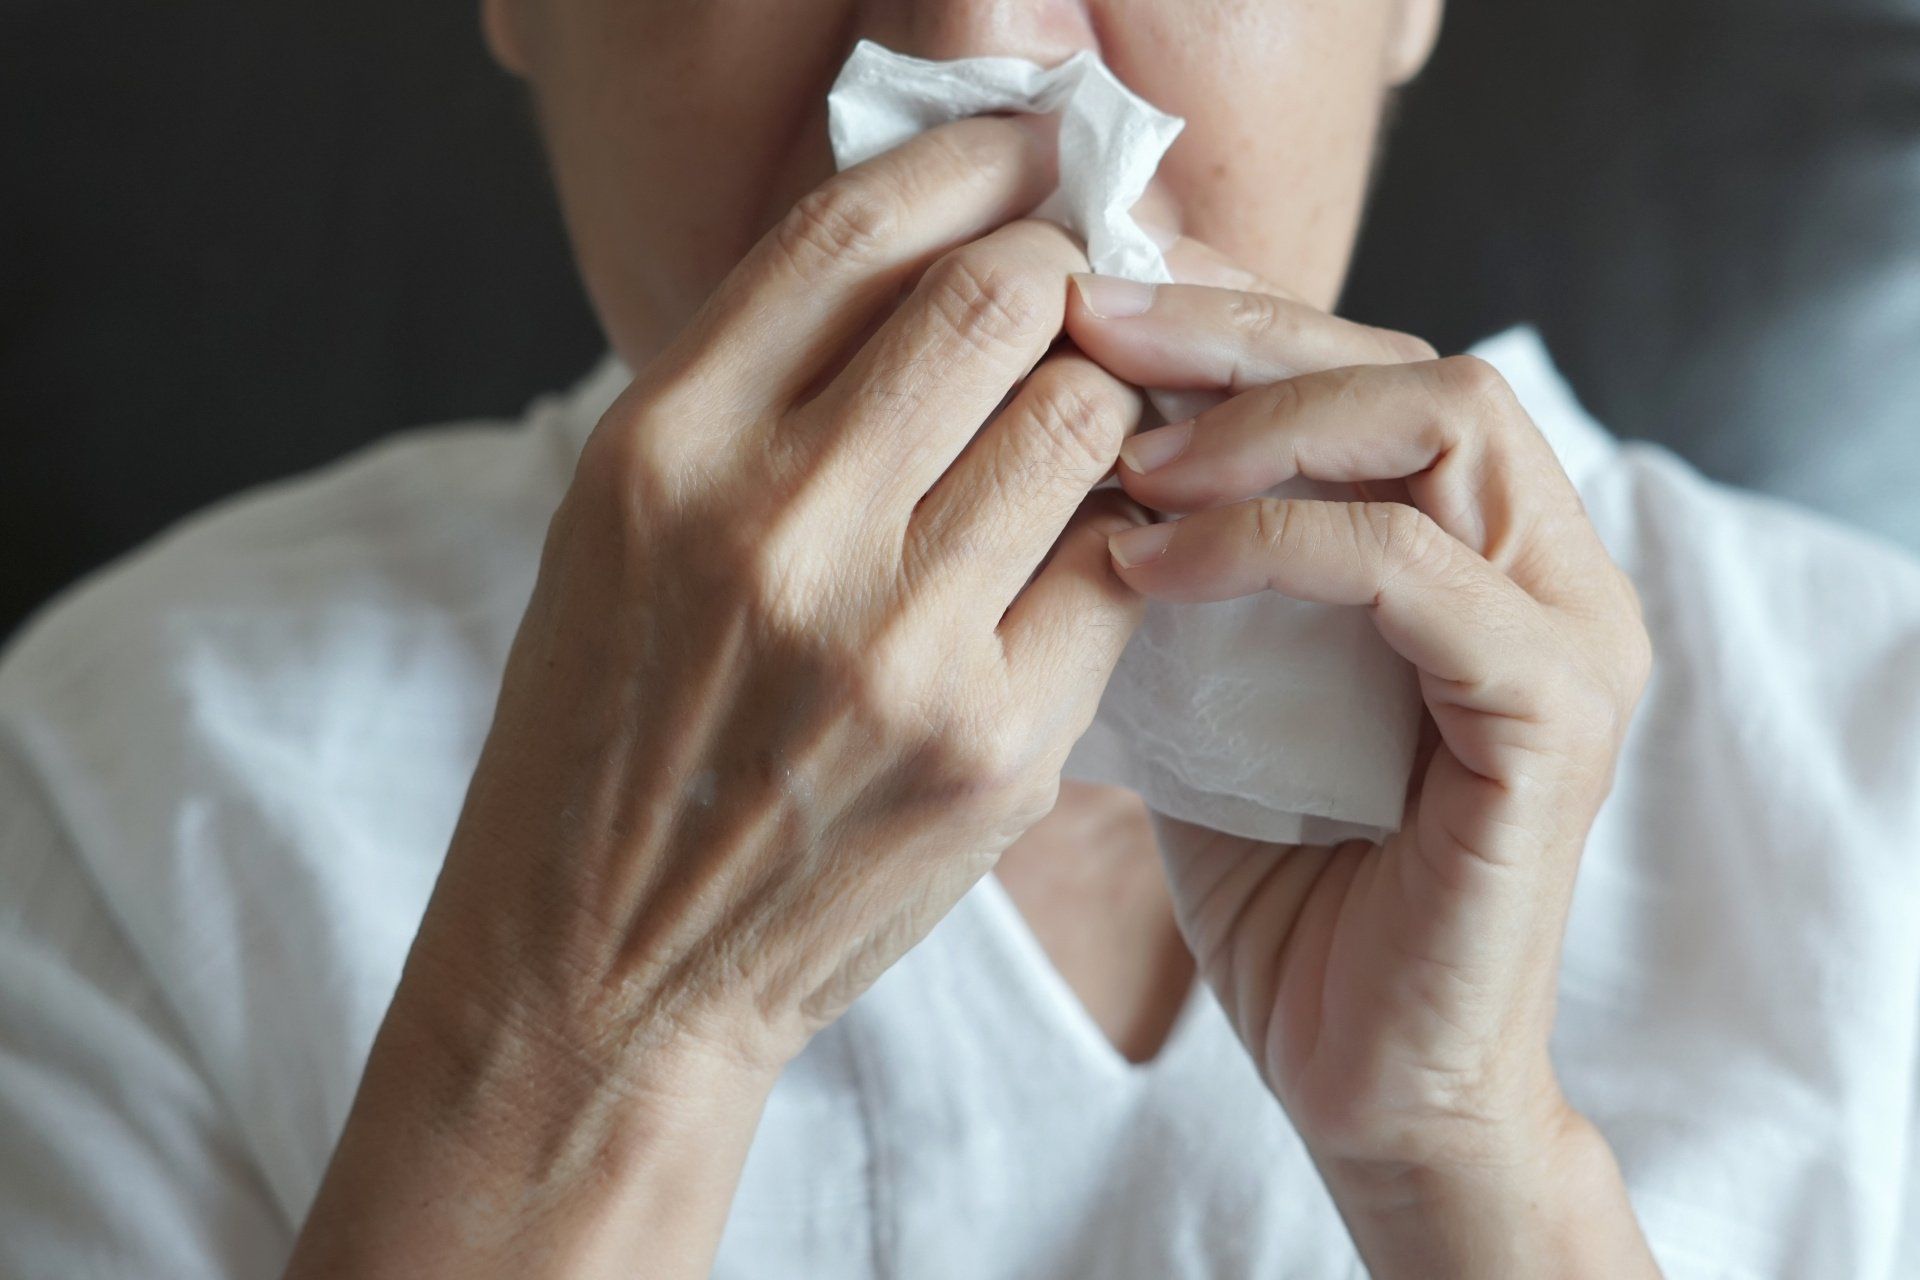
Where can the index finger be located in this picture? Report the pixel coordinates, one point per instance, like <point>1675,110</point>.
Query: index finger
<point>1189,337</point>
<point>847,248</point>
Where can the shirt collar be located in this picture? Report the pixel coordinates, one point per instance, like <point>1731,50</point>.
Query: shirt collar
<point>1579,441</point>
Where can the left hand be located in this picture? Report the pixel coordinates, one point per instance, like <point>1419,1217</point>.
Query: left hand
<point>1397,998</point>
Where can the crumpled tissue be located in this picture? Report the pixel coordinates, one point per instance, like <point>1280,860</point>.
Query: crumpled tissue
<point>1263,717</point>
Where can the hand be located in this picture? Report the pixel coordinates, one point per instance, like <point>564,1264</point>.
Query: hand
<point>807,650</point>
<point>1397,998</point>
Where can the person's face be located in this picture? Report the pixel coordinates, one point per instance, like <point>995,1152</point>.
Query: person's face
<point>679,130</point>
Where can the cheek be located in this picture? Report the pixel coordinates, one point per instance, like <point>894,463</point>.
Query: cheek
<point>673,131</point>
<point>1282,100</point>
<point>676,139</point>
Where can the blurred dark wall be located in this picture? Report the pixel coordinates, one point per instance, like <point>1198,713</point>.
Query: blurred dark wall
<point>1710,207</point>
<point>240,238</point>
<point>237,240</point>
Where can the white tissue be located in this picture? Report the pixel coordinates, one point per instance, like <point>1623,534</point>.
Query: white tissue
<point>1262,717</point>
<point>1111,141</point>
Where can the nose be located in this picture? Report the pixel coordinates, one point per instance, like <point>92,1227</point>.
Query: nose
<point>1045,31</point>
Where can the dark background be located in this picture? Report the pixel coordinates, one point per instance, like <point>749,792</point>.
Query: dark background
<point>239,239</point>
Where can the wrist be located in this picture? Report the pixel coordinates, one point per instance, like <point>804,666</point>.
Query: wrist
<point>487,1143</point>
<point>490,1033</point>
<point>1542,1200</point>
<point>539,958</point>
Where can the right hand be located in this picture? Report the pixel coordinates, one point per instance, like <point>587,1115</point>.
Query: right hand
<point>805,653</point>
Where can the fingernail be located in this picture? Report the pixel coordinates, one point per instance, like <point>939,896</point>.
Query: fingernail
<point>1158,447</point>
<point>1140,544</point>
<point>1112,298</point>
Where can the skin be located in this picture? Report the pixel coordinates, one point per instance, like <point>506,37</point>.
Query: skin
<point>805,654</point>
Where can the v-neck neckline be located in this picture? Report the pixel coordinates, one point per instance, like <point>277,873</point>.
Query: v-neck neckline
<point>1054,1004</point>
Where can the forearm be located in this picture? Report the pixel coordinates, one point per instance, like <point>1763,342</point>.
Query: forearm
<point>478,1149</point>
<point>1560,1210</point>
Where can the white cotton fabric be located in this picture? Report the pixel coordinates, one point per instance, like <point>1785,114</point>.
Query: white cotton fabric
<point>1265,717</point>
<point>230,764</point>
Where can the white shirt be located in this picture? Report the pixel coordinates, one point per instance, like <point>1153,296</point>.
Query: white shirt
<point>229,767</point>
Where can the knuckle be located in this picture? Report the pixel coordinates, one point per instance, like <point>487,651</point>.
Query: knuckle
<point>1592,699</point>
<point>1631,603</point>
<point>1078,418</point>
<point>978,764</point>
<point>949,750</point>
<point>1636,644</point>
<point>893,690</point>
<point>1620,641</point>
<point>628,457</point>
<point>1639,662</point>
<point>768,557</point>
<point>884,689</point>
<point>1588,711</point>
<point>1258,315</point>
<point>983,759</point>
<point>1275,522</point>
<point>1473,380</point>
<point>1408,347</point>
<point>1286,400</point>
<point>1034,799</point>
<point>1407,537</point>
<point>847,219</point>
<point>769,578</point>
<point>982,301</point>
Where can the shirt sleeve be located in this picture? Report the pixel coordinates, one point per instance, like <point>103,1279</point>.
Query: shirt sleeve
<point>116,1157</point>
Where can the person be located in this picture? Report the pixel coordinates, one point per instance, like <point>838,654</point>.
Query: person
<point>631,841</point>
